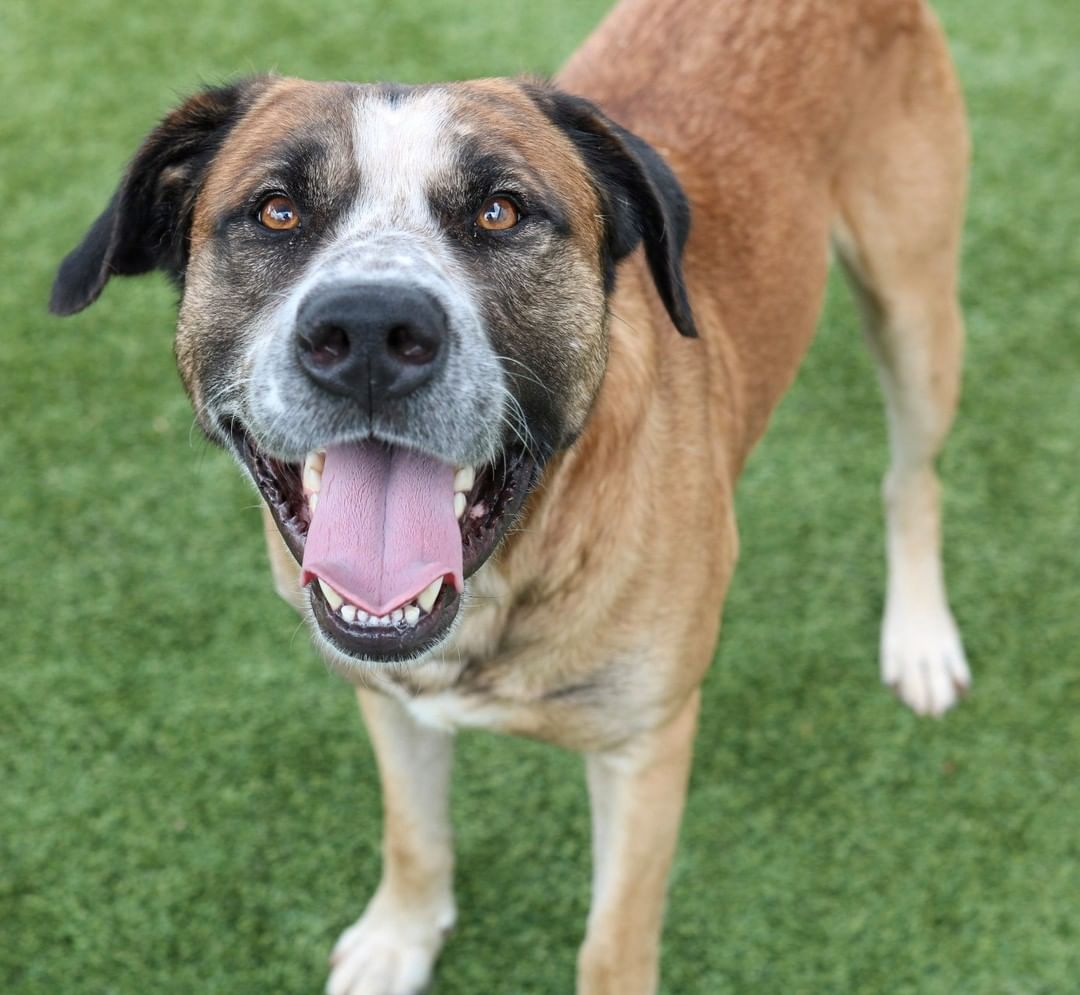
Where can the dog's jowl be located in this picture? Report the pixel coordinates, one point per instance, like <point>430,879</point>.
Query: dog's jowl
<point>493,354</point>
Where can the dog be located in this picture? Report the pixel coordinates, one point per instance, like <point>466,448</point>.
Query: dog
<point>493,354</point>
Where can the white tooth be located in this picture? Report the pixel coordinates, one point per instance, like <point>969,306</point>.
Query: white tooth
<point>464,479</point>
<point>363,618</point>
<point>459,505</point>
<point>313,500</point>
<point>317,460</point>
<point>429,594</point>
<point>348,612</point>
<point>312,479</point>
<point>333,599</point>
<point>382,620</point>
<point>412,614</point>
<point>397,616</point>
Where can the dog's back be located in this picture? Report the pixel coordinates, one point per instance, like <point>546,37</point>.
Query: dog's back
<point>771,113</point>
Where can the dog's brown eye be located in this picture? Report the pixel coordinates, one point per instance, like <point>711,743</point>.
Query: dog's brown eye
<point>279,213</point>
<point>497,214</point>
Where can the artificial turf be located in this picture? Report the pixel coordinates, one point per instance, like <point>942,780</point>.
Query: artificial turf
<point>188,798</point>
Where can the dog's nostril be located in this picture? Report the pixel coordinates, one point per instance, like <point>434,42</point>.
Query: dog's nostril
<point>405,345</point>
<point>326,346</point>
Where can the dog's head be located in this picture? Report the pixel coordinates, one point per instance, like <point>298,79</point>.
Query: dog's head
<point>393,311</point>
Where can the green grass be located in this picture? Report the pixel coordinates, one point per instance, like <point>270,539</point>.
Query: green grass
<point>189,803</point>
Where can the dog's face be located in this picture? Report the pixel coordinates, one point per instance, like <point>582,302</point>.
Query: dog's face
<point>394,312</point>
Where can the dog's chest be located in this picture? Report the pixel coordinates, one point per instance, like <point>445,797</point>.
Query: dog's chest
<point>457,689</point>
<point>450,710</point>
<point>545,688</point>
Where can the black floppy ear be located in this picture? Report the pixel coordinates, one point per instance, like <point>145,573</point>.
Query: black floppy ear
<point>146,223</point>
<point>641,198</point>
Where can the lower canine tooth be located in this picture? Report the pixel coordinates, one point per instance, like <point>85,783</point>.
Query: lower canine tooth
<point>459,505</point>
<point>429,594</point>
<point>333,599</point>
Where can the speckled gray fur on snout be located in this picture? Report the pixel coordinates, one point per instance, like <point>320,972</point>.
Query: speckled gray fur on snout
<point>457,416</point>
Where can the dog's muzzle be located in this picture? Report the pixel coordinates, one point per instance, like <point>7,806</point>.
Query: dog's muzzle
<point>387,388</point>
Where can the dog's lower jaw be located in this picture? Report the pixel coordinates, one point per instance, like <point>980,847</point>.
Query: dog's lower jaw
<point>362,671</point>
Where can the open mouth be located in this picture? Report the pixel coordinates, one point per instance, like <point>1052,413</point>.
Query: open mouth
<point>386,536</point>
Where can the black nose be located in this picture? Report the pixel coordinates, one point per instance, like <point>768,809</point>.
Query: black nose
<point>373,343</point>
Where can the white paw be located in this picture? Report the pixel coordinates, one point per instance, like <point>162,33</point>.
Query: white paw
<point>388,951</point>
<point>922,659</point>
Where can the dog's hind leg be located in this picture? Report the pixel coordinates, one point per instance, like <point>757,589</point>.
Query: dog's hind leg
<point>900,199</point>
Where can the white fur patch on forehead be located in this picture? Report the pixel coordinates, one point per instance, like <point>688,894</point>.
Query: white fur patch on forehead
<point>404,147</point>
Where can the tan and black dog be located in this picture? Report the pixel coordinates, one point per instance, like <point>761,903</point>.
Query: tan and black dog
<point>439,326</point>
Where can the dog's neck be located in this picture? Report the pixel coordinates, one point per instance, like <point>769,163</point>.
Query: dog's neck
<point>569,524</point>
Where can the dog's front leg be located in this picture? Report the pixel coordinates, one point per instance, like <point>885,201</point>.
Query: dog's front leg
<point>392,948</point>
<point>636,794</point>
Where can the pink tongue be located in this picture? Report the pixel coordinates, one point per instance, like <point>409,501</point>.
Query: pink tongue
<point>384,527</point>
